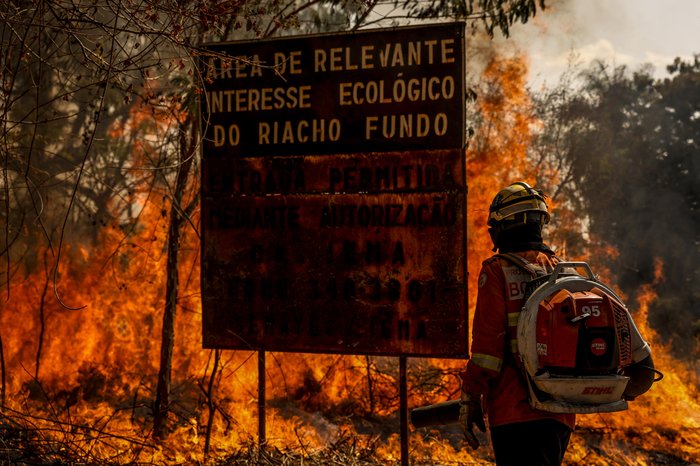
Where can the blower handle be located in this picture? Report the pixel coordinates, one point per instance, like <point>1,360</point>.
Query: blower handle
<point>559,268</point>
<point>439,414</point>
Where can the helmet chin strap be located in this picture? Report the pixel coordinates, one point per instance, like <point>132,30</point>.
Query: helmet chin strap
<point>520,237</point>
<point>494,238</point>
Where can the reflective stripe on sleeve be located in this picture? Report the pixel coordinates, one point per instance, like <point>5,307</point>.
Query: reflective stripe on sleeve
<point>513,319</point>
<point>487,361</point>
<point>513,346</point>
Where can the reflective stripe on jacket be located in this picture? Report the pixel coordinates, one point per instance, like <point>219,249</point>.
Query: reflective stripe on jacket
<point>491,371</point>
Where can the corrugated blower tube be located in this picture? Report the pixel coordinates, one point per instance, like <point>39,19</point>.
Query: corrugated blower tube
<point>438,414</point>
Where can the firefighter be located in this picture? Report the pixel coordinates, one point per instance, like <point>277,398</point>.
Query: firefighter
<point>520,434</point>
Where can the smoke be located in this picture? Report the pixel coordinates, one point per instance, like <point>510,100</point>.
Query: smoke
<point>666,231</point>
<point>548,42</point>
<point>631,33</point>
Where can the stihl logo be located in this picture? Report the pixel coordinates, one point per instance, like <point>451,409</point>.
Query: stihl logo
<point>598,390</point>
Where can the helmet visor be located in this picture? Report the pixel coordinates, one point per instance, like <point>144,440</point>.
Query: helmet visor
<point>523,205</point>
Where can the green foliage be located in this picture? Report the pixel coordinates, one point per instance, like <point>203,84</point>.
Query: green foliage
<point>631,147</point>
<point>491,14</point>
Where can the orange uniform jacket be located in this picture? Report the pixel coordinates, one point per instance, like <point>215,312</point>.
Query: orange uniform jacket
<point>491,370</point>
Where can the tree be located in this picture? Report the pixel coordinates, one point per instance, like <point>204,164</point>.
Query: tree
<point>626,144</point>
<point>491,15</point>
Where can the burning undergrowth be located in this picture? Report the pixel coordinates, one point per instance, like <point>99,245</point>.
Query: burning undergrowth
<point>95,405</point>
<point>79,386</point>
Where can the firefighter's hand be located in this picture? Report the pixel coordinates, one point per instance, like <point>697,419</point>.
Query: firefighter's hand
<point>470,415</point>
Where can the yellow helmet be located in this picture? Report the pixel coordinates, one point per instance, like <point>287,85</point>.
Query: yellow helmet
<point>518,198</point>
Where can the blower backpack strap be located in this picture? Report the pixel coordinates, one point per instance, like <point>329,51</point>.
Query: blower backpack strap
<point>574,337</point>
<point>538,273</point>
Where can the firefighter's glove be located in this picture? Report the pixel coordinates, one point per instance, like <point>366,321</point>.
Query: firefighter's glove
<point>470,415</point>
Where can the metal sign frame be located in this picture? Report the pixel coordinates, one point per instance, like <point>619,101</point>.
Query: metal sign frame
<point>355,245</point>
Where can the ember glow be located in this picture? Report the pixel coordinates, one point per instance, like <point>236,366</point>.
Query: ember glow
<point>81,383</point>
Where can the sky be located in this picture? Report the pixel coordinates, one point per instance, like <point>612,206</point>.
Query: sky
<point>622,32</point>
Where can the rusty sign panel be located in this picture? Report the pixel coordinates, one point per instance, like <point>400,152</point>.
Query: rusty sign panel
<point>380,90</point>
<point>334,193</point>
<point>357,254</point>
<point>397,172</point>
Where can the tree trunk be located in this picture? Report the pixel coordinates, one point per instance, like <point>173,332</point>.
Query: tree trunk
<point>162,401</point>
<point>42,317</point>
<point>2,377</point>
<point>210,402</point>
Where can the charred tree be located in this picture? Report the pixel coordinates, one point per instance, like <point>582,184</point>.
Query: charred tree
<point>189,135</point>
<point>42,318</point>
<point>3,387</point>
<point>211,405</point>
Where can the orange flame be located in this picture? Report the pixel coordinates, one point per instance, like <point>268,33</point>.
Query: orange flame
<point>664,422</point>
<point>88,377</point>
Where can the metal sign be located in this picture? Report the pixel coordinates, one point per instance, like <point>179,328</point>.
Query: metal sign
<point>365,255</point>
<point>357,253</point>
<point>397,89</point>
